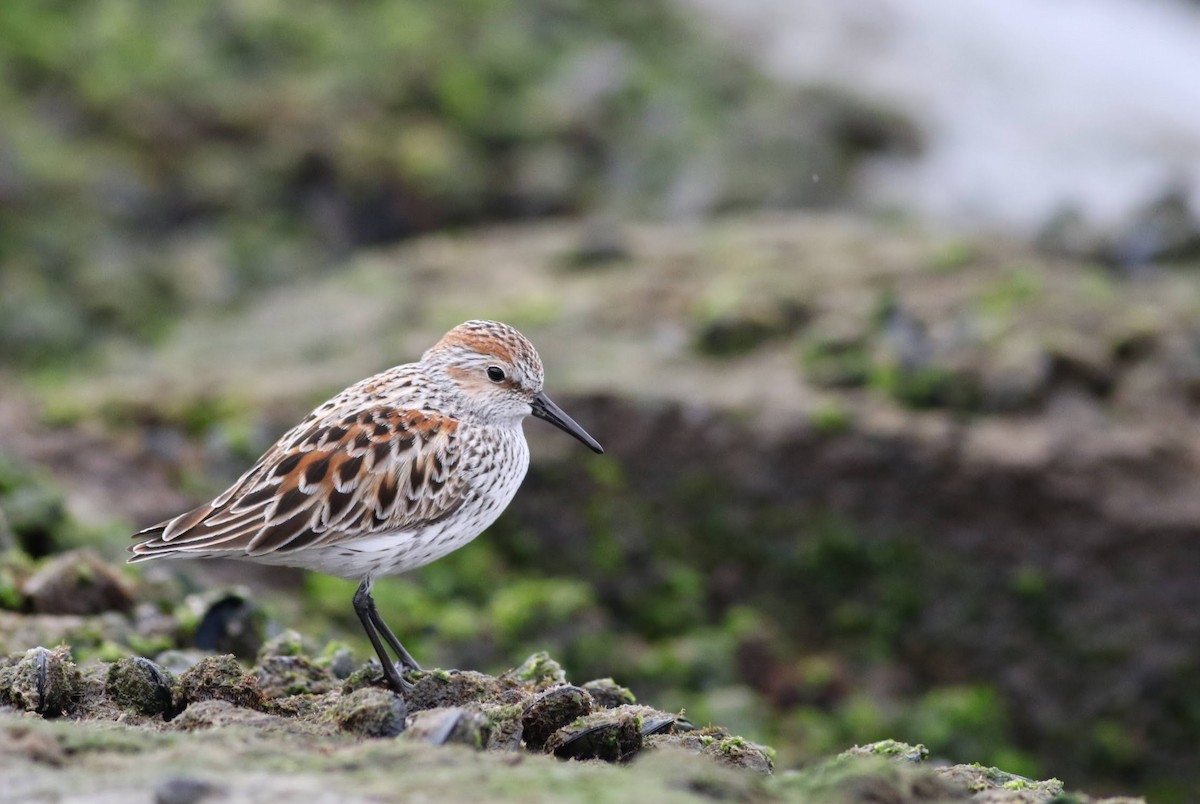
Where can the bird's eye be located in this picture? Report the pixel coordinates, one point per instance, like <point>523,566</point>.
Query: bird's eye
<point>495,374</point>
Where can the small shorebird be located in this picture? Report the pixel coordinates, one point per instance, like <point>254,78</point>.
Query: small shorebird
<point>394,472</point>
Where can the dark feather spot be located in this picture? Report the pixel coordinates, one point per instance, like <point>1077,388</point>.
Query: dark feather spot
<point>416,476</point>
<point>277,537</point>
<point>257,497</point>
<point>335,433</point>
<point>307,538</point>
<point>387,493</point>
<point>289,463</point>
<point>316,470</point>
<point>349,469</point>
<point>339,501</point>
<point>403,442</point>
<point>382,429</point>
<point>383,451</point>
<point>290,502</point>
<point>362,440</point>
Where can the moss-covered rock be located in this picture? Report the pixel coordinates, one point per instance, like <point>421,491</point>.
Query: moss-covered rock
<point>462,725</point>
<point>220,678</point>
<point>541,670</point>
<point>77,582</point>
<point>42,680</point>
<point>139,684</point>
<point>614,735</point>
<point>441,688</point>
<point>283,668</point>
<point>609,694</point>
<point>370,712</point>
<point>553,709</point>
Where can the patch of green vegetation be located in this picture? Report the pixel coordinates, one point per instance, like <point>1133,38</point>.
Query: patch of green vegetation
<point>836,362</point>
<point>1020,286</point>
<point>738,331</point>
<point>830,418</point>
<point>527,607</point>
<point>1114,745</point>
<point>175,157</point>
<point>930,386</point>
<point>952,256</point>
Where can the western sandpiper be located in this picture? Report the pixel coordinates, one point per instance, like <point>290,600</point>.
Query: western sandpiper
<point>394,472</point>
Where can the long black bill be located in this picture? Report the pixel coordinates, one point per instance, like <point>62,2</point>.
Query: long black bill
<point>543,408</point>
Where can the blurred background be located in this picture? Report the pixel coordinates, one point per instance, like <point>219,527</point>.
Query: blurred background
<point>888,315</point>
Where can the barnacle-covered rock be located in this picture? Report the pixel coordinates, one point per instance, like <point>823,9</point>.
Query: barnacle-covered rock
<point>284,668</point>
<point>553,709</point>
<point>139,684</point>
<point>441,688</point>
<point>370,712</point>
<point>451,724</point>
<point>609,694</point>
<point>42,680</point>
<point>220,678</point>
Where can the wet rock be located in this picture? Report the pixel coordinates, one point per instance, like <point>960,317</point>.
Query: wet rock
<point>732,751</point>
<point>15,567</point>
<point>370,712</point>
<point>552,710</point>
<point>506,723</point>
<point>441,688</point>
<point>42,680</point>
<point>20,743</point>
<point>452,724</point>
<point>995,785</point>
<point>220,678</point>
<point>1081,363</point>
<point>613,735</point>
<point>78,582</point>
<point>283,669</point>
<point>609,694</point>
<point>179,661</point>
<point>8,537</point>
<point>214,714</point>
<point>740,332</point>
<point>539,670</point>
<point>182,790</point>
<point>225,622</point>
<point>339,660</point>
<point>837,354</point>
<point>139,684</point>
<point>33,509</point>
<point>602,242</point>
<point>1015,377</point>
<point>893,750</point>
<point>1168,229</point>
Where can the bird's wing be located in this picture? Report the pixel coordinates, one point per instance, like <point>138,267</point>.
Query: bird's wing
<point>327,481</point>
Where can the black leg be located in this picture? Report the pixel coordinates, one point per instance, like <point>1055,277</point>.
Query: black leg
<point>404,656</point>
<point>364,607</point>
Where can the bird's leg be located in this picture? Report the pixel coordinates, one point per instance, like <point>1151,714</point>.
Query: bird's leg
<point>364,607</point>
<point>404,656</point>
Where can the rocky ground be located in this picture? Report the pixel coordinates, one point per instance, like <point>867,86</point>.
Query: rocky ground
<point>844,454</point>
<point>294,724</point>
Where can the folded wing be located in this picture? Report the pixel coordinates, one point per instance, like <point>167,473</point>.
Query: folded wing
<point>329,480</point>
